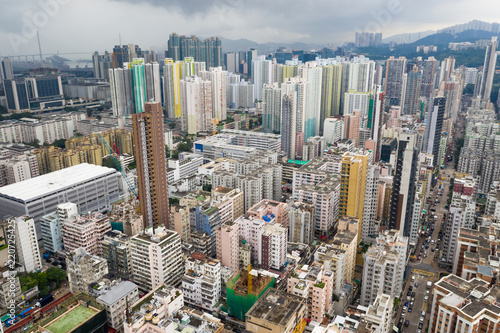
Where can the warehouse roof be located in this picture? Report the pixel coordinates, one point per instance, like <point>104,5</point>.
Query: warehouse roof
<point>53,182</point>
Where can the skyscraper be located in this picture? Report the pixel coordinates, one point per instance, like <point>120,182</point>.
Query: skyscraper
<point>403,186</point>
<point>217,78</point>
<point>353,186</point>
<point>6,72</point>
<point>171,86</point>
<point>412,93</point>
<point>433,128</point>
<point>271,108</point>
<point>262,72</point>
<point>429,77</point>
<point>288,127</point>
<point>394,71</point>
<point>490,60</point>
<point>196,105</point>
<point>151,165</point>
<point>208,51</point>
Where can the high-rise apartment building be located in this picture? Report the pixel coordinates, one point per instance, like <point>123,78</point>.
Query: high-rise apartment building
<point>271,108</point>
<point>411,99</point>
<point>208,50</point>
<point>434,128</point>
<point>353,186</point>
<point>301,222</point>
<point>171,86</point>
<point>384,267</point>
<point>217,78</point>
<point>156,258</point>
<point>262,73</point>
<point>403,186</point>
<point>151,165</point>
<point>430,77</point>
<point>84,269</point>
<point>490,60</point>
<point>116,251</point>
<point>395,68</point>
<point>196,105</point>
<point>228,245</point>
<point>201,283</point>
<point>464,305</point>
<point>27,252</point>
<point>369,227</point>
<point>6,72</point>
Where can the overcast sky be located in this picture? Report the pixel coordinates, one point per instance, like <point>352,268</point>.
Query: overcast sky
<point>90,25</point>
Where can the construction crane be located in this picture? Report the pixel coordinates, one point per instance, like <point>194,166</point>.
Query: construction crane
<point>118,166</point>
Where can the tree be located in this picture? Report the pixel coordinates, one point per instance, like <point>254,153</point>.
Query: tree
<point>89,112</point>
<point>183,146</point>
<point>61,143</point>
<point>56,274</point>
<point>35,143</point>
<point>469,89</point>
<point>132,165</point>
<point>172,125</point>
<point>207,188</point>
<point>78,135</point>
<point>108,162</point>
<point>3,109</point>
<point>250,124</point>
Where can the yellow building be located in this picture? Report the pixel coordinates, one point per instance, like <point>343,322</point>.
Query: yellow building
<point>86,149</point>
<point>352,186</point>
<point>330,91</point>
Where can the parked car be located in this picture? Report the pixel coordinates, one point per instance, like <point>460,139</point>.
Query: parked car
<point>407,323</point>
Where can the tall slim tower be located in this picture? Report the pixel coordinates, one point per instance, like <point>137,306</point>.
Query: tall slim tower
<point>394,71</point>
<point>151,165</point>
<point>403,188</point>
<point>353,186</point>
<point>490,60</point>
<point>434,127</point>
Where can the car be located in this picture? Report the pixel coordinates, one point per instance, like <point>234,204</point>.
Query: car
<point>423,313</point>
<point>408,298</point>
<point>421,320</point>
<point>411,304</point>
<point>416,284</point>
<point>405,308</point>
<point>426,298</point>
<point>420,325</point>
<point>419,257</point>
<point>413,294</point>
<point>411,288</point>
<point>399,326</point>
<point>406,304</point>
<point>419,331</point>
<point>408,293</point>
<point>407,323</point>
<point>426,246</point>
<point>425,255</point>
<point>432,249</point>
<point>410,309</point>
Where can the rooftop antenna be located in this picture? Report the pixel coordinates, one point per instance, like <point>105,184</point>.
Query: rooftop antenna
<point>39,46</point>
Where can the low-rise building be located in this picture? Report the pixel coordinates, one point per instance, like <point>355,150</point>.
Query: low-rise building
<point>116,250</point>
<point>276,312</point>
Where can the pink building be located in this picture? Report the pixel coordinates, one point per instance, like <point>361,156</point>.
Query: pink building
<point>268,210</point>
<point>313,283</point>
<point>227,238</point>
<point>352,124</point>
<point>86,231</point>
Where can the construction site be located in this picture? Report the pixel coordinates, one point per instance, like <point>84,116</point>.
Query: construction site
<point>244,289</point>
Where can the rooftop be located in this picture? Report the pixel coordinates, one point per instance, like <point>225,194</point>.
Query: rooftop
<point>117,292</point>
<point>34,188</point>
<point>277,307</point>
<point>71,319</point>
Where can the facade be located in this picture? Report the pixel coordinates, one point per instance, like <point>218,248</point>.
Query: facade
<point>353,186</point>
<point>434,129</point>
<point>217,78</point>
<point>115,301</point>
<point>403,189</point>
<point>384,266</point>
<point>228,245</point>
<point>27,251</point>
<point>369,229</point>
<point>273,251</point>
<point>116,250</point>
<point>34,92</point>
<point>411,95</point>
<point>302,218</point>
<point>395,69</point>
<point>196,105</point>
<point>85,231</point>
<point>201,283</point>
<point>156,258</point>
<point>313,283</point>
<point>336,261</point>
<point>465,305</point>
<point>333,130</point>
<point>151,165</point>
<point>84,269</point>
<point>90,187</point>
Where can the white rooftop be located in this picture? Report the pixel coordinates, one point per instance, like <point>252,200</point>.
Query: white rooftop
<point>117,292</point>
<point>55,181</point>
